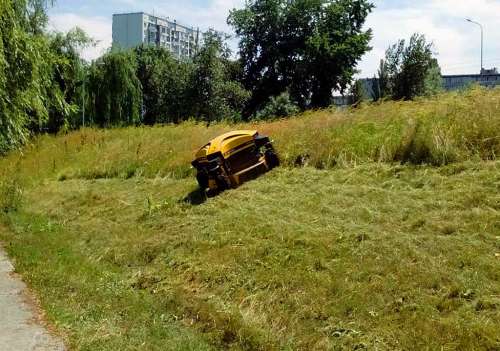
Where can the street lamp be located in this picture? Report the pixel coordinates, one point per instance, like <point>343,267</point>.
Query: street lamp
<point>482,37</point>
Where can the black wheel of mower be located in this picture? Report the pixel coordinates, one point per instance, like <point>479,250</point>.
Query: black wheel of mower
<point>202,179</point>
<point>222,183</point>
<point>272,159</point>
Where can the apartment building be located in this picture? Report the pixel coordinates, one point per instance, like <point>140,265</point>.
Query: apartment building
<point>133,29</point>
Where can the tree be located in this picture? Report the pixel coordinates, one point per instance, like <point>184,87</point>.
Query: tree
<point>25,72</point>
<point>279,106</point>
<point>115,94</point>
<point>31,14</point>
<point>306,47</point>
<point>205,87</point>
<point>410,70</point>
<point>214,96</point>
<point>165,85</point>
<point>433,80</point>
<point>151,62</point>
<point>383,81</point>
<point>173,79</point>
<point>68,71</point>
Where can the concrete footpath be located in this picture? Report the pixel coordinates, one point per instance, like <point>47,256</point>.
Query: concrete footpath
<point>20,325</point>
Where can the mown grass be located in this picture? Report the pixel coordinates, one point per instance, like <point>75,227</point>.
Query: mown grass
<point>386,237</point>
<point>374,257</point>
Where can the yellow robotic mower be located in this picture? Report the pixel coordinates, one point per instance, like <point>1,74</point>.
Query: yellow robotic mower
<point>232,158</point>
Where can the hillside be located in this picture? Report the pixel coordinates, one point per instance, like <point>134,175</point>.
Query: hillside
<point>381,231</point>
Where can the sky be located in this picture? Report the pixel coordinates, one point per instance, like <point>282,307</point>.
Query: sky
<point>456,41</point>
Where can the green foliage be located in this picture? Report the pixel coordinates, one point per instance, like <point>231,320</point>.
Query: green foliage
<point>45,86</point>
<point>31,14</point>
<point>24,71</point>
<point>308,47</point>
<point>214,96</point>
<point>164,83</point>
<point>39,73</point>
<point>68,75</point>
<point>115,94</point>
<point>410,70</point>
<point>382,88</point>
<point>279,106</point>
<point>174,103</point>
<point>433,83</point>
<point>172,90</point>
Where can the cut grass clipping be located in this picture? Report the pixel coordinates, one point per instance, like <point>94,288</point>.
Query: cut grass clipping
<point>370,247</point>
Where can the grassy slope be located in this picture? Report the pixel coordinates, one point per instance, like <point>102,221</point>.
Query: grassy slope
<point>449,128</point>
<point>365,254</point>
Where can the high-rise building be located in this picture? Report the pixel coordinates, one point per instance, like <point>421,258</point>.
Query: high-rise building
<point>133,29</point>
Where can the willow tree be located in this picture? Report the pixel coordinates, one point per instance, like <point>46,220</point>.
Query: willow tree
<point>27,93</point>
<point>68,73</point>
<point>114,91</point>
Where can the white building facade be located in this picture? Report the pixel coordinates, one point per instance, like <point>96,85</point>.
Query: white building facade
<point>134,29</point>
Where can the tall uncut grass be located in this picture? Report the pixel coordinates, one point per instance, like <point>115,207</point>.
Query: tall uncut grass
<point>448,128</point>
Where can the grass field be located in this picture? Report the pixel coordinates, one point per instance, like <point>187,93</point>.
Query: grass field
<point>381,232</point>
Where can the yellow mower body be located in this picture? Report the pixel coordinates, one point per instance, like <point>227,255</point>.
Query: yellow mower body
<point>230,159</point>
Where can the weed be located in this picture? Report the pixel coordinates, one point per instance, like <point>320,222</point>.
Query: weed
<point>11,195</point>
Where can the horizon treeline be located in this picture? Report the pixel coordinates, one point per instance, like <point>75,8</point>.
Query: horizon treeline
<point>291,56</point>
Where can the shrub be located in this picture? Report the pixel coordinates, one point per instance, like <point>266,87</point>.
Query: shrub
<point>279,106</point>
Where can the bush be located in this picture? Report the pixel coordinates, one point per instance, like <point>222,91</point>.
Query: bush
<point>279,106</point>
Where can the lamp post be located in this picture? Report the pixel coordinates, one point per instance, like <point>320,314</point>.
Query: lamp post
<point>482,39</point>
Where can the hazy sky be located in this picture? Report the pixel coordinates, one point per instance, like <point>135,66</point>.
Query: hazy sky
<point>457,42</point>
